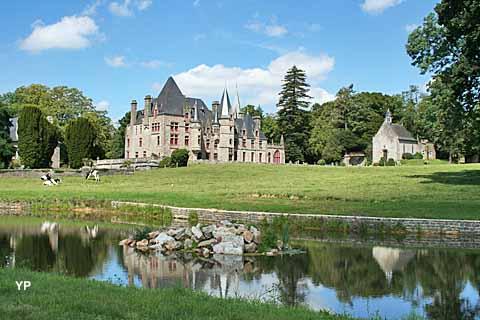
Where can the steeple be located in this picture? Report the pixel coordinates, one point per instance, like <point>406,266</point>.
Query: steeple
<point>282,142</point>
<point>388,117</point>
<point>225,105</point>
<point>236,107</point>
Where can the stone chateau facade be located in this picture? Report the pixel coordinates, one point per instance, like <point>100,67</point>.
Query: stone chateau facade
<point>173,121</point>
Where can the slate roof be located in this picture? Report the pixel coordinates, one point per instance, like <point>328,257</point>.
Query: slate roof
<point>248,125</point>
<point>402,133</point>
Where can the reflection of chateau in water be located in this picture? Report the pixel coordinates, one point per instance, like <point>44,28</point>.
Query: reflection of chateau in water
<point>219,274</point>
<point>392,259</point>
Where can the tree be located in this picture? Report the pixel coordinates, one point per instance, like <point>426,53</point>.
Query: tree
<point>80,136</point>
<point>37,138</point>
<point>446,45</point>
<point>104,132</point>
<point>179,158</point>
<point>117,149</point>
<point>7,150</point>
<point>253,111</point>
<point>293,117</point>
<point>270,128</point>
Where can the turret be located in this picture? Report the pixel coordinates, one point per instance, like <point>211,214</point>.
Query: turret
<point>133,112</point>
<point>282,142</point>
<point>225,105</point>
<point>256,121</point>
<point>215,108</point>
<point>388,117</point>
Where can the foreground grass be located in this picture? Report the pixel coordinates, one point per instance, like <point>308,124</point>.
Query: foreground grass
<point>57,297</point>
<point>431,191</point>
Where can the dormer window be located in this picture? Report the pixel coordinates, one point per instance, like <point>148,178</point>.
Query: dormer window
<point>256,133</point>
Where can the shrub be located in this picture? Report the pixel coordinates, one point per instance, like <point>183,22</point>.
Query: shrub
<point>179,158</point>
<point>418,156</point>
<point>321,162</point>
<point>391,163</point>
<point>126,164</point>
<point>141,234</point>
<point>381,162</point>
<point>407,156</point>
<point>192,218</point>
<point>165,163</point>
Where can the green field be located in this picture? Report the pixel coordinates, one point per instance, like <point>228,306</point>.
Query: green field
<point>432,191</point>
<point>57,297</point>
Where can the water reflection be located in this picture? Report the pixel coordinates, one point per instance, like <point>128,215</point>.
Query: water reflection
<point>359,279</point>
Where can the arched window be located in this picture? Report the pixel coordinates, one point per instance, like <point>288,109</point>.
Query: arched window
<point>276,157</point>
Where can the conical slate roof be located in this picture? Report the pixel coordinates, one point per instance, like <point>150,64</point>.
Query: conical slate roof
<point>225,105</point>
<point>170,100</point>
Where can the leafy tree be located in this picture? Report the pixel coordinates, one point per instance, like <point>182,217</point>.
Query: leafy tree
<point>293,117</point>
<point>7,150</point>
<point>80,136</point>
<point>37,138</point>
<point>104,132</point>
<point>253,111</point>
<point>270,127</point>
<point>446,45</point>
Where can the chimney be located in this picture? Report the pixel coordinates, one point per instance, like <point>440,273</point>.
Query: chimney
<point>215,108</point>
<point>146,109</point>
<point>256,120</point>
<point>133,112</point>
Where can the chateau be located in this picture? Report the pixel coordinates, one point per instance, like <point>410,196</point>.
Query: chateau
<point>173,121</point>
<point>392,141</point>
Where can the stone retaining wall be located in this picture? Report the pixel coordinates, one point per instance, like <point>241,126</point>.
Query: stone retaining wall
<point>411,225</point>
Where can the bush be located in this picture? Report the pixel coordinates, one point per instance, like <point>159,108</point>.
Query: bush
<point>418,156</point>
<point>142,233</point>
<point>381,162</point>
<point>165,163</point>
<point>407,156</point>
<point>391,163</point>
<point>321,162</point>
<point>179,158</point>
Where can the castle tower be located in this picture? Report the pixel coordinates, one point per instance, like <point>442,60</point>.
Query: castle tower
<point>225,152</point>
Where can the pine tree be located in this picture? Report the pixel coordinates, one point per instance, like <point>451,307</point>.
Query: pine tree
<point>79,138</point>
<point>7,150</point>
<point>37,138</point>
<point>293,117</point>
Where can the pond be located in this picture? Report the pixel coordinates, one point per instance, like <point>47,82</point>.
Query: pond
<point>357,278</point>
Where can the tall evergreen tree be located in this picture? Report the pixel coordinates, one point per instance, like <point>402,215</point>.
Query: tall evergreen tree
<point>117,150</point>
<point>37,138</point>
<point>7,150</point>
<point>293,117</point>
<point>80,138</point>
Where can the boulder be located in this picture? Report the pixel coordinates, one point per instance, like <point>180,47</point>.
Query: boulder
<point>226,223</point>
<point>206,243</point>
<point>132,243</point>
<point>220,232</point>
<point>176,233</point>
<point>162,238</point>
<point>251,247</point>
<point>257,235</point>
<point>272,252</point>
<point>205,252</point>
<point>230,244</point>
<point>208,230</point>
<point>248,236</point>
<point>188,244</point>
<point>124,242</point>
<point>142,243</point>
<point>153,234</point>
<point>197,233</point>
<point>172,245</point>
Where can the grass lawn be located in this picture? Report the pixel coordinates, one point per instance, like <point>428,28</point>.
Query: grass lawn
<point>431,191</point>
<point>56,297</point>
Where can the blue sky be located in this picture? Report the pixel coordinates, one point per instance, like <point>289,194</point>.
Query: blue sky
<point>116,51</point>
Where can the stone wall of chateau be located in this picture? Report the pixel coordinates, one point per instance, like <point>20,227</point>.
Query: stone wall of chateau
<point>450,227</point>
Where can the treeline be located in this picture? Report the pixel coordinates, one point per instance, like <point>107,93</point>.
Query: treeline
<point>51,117</point>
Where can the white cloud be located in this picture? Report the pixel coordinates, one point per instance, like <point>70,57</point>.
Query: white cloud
<point>271,28</point>
<point>378,6</point>
<point>256,85</point>
<point>70,32</point>
<point>116,61</point>
<point>121,9</point>
<point>196,3</point>
<point>153,64</point>
<point>127,7</point>
<point>102,105</point>
<point>199,36</point>
<point>91,9</point>
<point>410,27</point>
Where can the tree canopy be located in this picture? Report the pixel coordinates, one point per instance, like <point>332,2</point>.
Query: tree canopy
<point>80,137</point>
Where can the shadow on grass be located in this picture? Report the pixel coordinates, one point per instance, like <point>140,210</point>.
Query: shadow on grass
<point>465,177</point>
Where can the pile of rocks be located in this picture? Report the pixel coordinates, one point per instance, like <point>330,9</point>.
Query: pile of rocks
<point>224,237</point>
